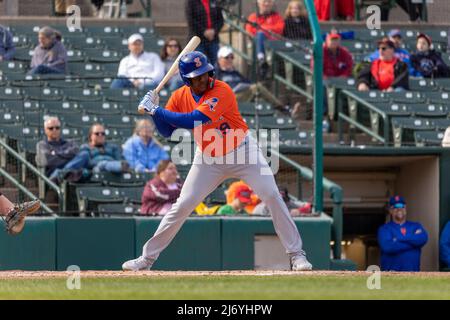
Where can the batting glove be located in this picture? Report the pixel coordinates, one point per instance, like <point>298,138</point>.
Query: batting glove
<point>150,102</point>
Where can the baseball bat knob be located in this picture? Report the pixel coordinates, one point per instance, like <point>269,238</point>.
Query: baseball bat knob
<point>141,110</point>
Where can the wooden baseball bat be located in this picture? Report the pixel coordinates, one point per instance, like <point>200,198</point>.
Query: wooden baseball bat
<point>191,46</point>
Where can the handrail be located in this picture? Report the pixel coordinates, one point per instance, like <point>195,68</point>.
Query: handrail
<point>29,166</point>
<point>11,179</point>
<point>336,194</point>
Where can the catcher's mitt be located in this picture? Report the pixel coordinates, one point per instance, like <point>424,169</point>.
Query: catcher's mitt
<point>15,218</point>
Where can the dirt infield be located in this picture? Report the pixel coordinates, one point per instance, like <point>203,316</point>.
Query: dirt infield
<point>18,274</point>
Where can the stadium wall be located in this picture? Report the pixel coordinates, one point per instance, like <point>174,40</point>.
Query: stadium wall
<point>204,243</point>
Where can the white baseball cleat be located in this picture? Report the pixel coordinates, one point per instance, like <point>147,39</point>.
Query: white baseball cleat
<point>300,263</point>
<point>138,264</point>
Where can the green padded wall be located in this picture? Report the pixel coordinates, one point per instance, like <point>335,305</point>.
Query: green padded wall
<point>197,246</point>
<point>238,240</point>
<point>94,243</point>
<point>33,249</point>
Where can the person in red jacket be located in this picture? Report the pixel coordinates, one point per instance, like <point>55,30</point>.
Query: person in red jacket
<point>344,9</point>
<point>162,191</point>
<point>265,24</point>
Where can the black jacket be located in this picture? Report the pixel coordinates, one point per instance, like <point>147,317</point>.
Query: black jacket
<point>429,64</point>
<point>197,21</point>
<point>401,74</point>
<point>297,28</point>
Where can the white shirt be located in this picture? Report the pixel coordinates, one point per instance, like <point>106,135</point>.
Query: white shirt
<point>147,65</point>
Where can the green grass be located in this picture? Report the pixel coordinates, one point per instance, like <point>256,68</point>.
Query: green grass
<point>230,287</point>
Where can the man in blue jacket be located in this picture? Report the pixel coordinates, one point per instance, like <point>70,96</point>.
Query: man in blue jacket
<point>444,246</point>
<point>401,241</point>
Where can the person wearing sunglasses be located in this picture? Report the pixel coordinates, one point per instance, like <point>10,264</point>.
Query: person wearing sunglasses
<point>388,73</point>
<point>169,53</point>
<point>54,152</point>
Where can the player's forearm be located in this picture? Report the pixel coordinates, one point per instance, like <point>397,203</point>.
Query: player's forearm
<point>164,128</point>
<point>181,120</point>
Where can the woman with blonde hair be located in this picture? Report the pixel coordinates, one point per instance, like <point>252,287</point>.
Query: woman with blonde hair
<point>142,151</point>
<point>296,23</point>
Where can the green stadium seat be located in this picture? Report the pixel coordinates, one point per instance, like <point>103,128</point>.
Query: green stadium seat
<point>72,134</point>
<point>10,117</point>
<point>280,45</point>
<point>27,146</point>
<point>248,109</point>
<point>362,34</point>
<point>122,95</point>
<point>428,138</point>
<point>131,194</point>
<point>358,46</point>
<point>443,83</point>
<point>103,31</point>
<point>118,210</point>
<point>406,97</point>
<point>372,96</point>
<point>110,69</point>
<point>37,93</point>
<point>7,67</point>
<point>103,56</point>
<point>217,197</point>
<point>282,123</point>
<point>101,107</point>
<point>99,83</point>
<point>83,43</point>
<point>10,93</point>
<point>144,31</point>
<point>423,85</point>
<point>85,69</point>
<point>89,197</point>
<point>75,56</point>
<point>294,138</point>
<point>16,132</point>
<point>438,97</point>
<point>61,107</point>
<point>22,106</point>
<point>23,54</point>
<point>400,124</point>
<point>34,118</point>
<point>68,82</point>
<point>117,44</point>
<point>82,94</point>
<point>122,180</point>
<point>116,121</point>
<point>29,30</point>
<point>429,110</point>
<point>441,124</point>
<point>78,120</point>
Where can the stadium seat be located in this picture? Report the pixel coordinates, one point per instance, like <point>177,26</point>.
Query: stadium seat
<point>400,124</point>
<point>83,43</point>
<point>428,138</point>
<point>100,107</point>
<point>39,94</point>
<point>406,97</point>
<point>217,197</point>
<point>429,110</point>
<point>10,93</point>
<point>423,85</point>
<point>68,82</point>
<point>118,210</point>
<point>78,120</point>
<point>89,197</point>
<point>23,54</point>
<point>82,94</point>
<point>61,107</point>
<point>363,34</point>
<point>116,121</point>
<point>248,109</point>
<point>102,56</point>
<point>122,95</point>
<point>103,31</point>
<point>85,69</point>
<point>294,138</point>
<point>282,123</point>
<point>16,132</point>
<point>99,83</point>
<point>75,56</point>
<point>131,194</point>
<point>438,97</point>
<point>122,180</point>
<point>10,117</point>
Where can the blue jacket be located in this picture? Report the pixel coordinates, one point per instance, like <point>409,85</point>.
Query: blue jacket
<point>140,156</point>
<point>444,246</point>
<point>7,48</point>
<point>109,152</point>
<point>401,251</point>
<point>400,53</point>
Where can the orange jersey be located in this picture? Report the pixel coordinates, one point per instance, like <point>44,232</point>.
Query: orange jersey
<point>226,130</point>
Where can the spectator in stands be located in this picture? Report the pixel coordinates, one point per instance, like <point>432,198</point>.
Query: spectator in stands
<point>413,10</point>
<point>400,240</point>
<point>296,21</point>
<point>345,9</point>
<point>169,53</point>
<point>388,73</point>
<point>264,24</point>
<point>14,214</point>
<point>427,62</point>
<point>53,152</point>
<point>241,198</point>
<point>396,37</point>
<point>444,246</point>
<point>7,48</point>
<point>162,191</point>
<point>296,208</point>
<point>231,194</point>
<point>142,151</point>
<point>61,7</point>
<point>245,91</point>
<point>97,156</point>
<point>50,56</point>
<point>140,69</point>
<point>205,20</point>
<point>96,6</point>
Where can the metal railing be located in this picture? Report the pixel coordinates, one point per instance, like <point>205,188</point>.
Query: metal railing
<point>34,170</point>
<point>336,194</point>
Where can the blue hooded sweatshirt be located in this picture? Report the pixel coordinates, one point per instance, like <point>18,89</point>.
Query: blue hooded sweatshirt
<point>444,246</point>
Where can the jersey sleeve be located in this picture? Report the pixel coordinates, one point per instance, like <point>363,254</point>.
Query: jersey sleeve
<point>217,103</point>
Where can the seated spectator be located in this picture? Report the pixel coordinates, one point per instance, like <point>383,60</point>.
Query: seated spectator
<point>140,69</point>
<point>53,152</point>
<point>427,62</point>
<point>50,56</point>
<point>295,208</point>
<point>61,7</point>
<point>444,246</point>
<point>162,191</point>
<point>265,24</point>
<point>413,10</point>
<point>345,9</point>
<point>244,90</point>
<point>242,196</point>
<point>142,151</point>
<point>7,48</point>
<point>14,214</point>
<point>296,21</point>
<point>388,73</point>
<point>401,241</point>
<point>96,156</point>
<point>395,36</point>
<point>231,192</point>
<point>169,54</point>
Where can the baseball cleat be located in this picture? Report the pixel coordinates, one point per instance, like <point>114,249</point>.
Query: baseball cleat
<point>15,219</point>
<point>138,264</point>
<point>300,263</point>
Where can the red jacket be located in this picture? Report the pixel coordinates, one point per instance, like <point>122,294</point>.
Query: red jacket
<point>273,22</point>
<point>156,195</point>
<point>339,65</point>
<point>343,8</point>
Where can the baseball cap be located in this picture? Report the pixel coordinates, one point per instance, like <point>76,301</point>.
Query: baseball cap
<point>135,37</point>
<point>397,202</point>
<point>333,35</point>
<point>395,33</point>
<point>244,194</point>
<point>224,52</point>
<point>387,42</point>
<point>426,37</point>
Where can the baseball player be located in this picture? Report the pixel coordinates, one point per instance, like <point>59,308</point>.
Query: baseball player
<point>209,107</point>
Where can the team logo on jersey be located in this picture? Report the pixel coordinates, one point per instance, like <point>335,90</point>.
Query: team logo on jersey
<point>212,103</point>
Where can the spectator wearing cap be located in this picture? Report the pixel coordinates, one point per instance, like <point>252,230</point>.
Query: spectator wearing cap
<point>296,208</point>
<point>231,192</point>
<point>140,69</point>
<point>50,56</point>
<point>427,62</point>
<point>242,197</point>
<point>205,20</point>
<point>7,48</point>
<point>400,241</point>
<point>296,21</point>
<point>396,37</point>
<point>387,73</point>
<point>444,246</point>
<point>244,90</point>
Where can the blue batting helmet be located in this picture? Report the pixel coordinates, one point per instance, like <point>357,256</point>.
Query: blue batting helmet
<point>194,64</point>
